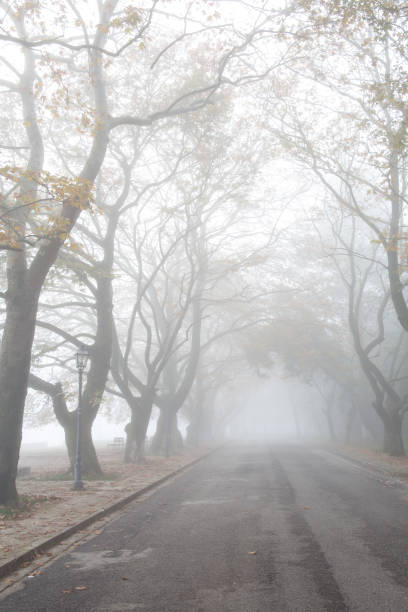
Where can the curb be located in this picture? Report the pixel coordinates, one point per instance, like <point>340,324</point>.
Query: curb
<point>361,462</point>
<point>389,474</point>
<point>9,566</point>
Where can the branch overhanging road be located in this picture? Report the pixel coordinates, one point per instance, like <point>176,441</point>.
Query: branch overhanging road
<point>248,529</point>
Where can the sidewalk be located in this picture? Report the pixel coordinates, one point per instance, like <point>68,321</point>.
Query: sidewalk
<point>64,511</point>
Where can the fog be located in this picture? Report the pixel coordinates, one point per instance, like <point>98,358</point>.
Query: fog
<point>204,203</point>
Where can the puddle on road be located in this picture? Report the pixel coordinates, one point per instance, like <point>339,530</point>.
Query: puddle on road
<point>102,558</point>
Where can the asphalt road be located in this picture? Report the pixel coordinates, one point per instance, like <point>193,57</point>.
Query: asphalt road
<point>248,529</point>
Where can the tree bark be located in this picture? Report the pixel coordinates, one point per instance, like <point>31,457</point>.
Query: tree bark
<point>393,443</point>
<point>167,438</point>
<point>136,430</point>
<point>129,444</point>
<point>89,460</point>
<point>25,283</point>
<point>14,371</point>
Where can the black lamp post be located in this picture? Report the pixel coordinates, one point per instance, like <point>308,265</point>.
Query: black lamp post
<point>81,361</point>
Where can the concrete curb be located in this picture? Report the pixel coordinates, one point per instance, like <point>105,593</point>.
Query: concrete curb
<point>30,554</point>
<point>361,462</point>
<point>384,471</point>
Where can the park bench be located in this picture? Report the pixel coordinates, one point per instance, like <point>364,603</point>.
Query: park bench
<point>23,472</point>
<point>117,442</point>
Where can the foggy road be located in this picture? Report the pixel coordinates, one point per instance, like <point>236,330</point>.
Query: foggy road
<point>250,528</point>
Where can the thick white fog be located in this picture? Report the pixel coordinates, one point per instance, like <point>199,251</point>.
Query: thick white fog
<point>207,203</point>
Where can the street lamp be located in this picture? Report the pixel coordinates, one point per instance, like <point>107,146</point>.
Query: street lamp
<point>81,361</point>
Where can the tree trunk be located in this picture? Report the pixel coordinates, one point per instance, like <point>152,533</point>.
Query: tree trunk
<point>167,438</point>
<point>14,371</point>
<point>370,420</point>
<point>89,461</point>
<point>145,414</point>
<point>393,443</point>
<point>128,455</point>
<point>136,430</point>
<point>135,439</point>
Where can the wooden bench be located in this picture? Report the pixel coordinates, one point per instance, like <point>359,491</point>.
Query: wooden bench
<point>23,472</point>
<point>117,442</point>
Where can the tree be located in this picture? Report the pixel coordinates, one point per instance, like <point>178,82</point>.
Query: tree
<point>31,254</point>
<point>350,126</point>
<point>389,404</point>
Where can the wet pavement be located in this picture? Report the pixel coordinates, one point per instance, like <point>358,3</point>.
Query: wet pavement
<point>249,528</point>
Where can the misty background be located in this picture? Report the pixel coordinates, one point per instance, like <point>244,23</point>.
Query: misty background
<point>210,198</point>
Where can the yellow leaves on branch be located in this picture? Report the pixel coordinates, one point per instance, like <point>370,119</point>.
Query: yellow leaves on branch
<point>76,192</point>
<point>26,7</point>
<point>90,122</point>
<point>8,240</point>
<point>128,21</point>
<point>41,193</point>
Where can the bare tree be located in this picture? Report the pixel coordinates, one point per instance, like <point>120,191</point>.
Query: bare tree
<point>30,257</point>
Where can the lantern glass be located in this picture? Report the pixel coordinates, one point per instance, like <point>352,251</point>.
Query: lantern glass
<point>82,358</point>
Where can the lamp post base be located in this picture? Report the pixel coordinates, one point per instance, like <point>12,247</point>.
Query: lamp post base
<point>78,484</point>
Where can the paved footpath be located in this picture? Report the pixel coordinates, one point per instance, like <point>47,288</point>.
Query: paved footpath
<point>248,529</point>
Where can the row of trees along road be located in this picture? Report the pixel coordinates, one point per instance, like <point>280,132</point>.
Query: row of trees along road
<point>184,184</point>
<point>111,68</point>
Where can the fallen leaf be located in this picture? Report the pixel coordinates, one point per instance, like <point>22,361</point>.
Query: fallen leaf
<point>125,578</point>
<point>306,507</point>
<point>80,588</point>
<point>67,590</point>
<point>67,565</point>
<point>253,552</point>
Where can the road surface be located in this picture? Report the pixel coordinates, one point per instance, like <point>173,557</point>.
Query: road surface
<point>248,529</point>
